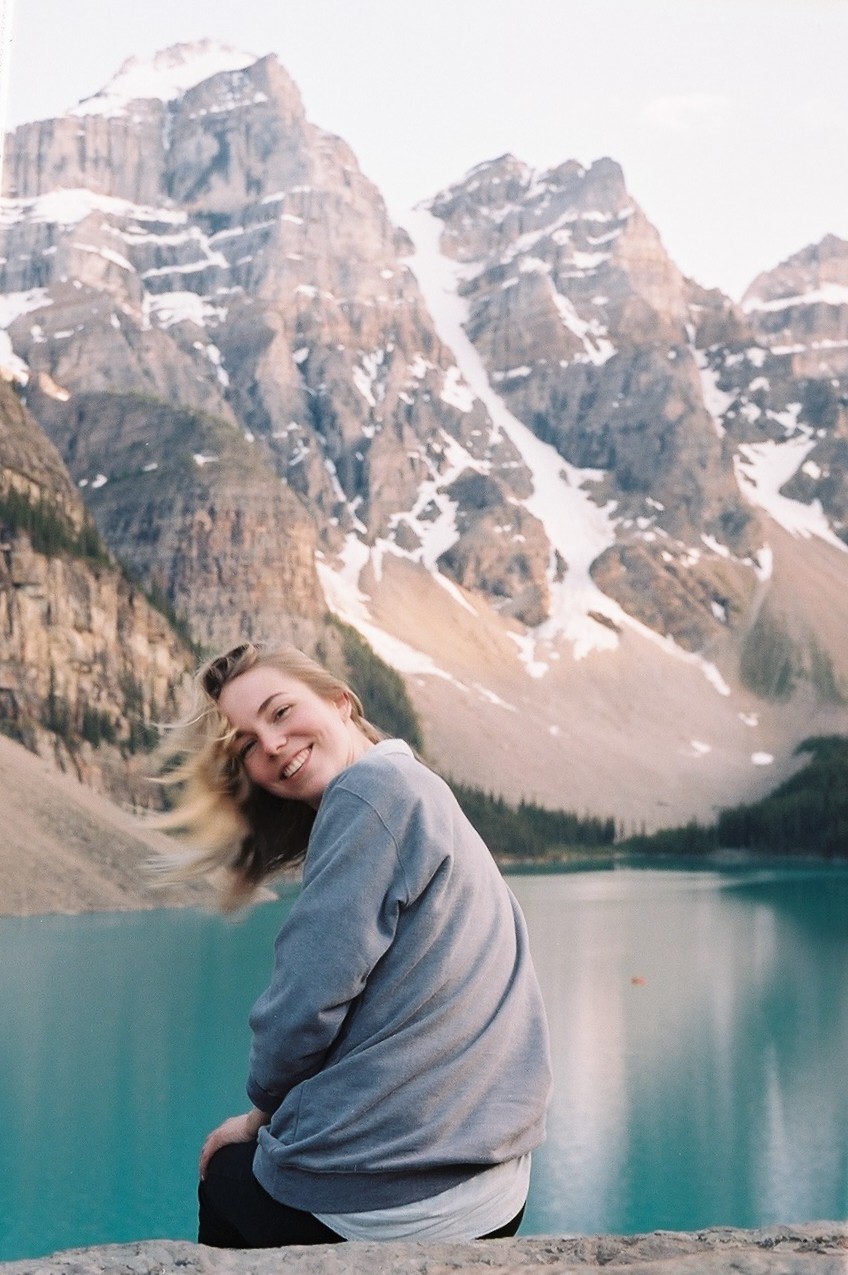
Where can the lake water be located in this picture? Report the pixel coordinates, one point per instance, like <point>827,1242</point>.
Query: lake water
<point>700,1036</point>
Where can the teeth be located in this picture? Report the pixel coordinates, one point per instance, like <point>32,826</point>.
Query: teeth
<point>295,764</point>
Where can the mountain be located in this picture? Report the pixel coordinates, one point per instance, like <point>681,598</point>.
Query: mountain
<point>580,321</point>
<point>221,256</point>
<point>592,512</point>
<point>88,665</point>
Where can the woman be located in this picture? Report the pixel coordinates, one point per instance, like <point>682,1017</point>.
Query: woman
<point>399,1068</point>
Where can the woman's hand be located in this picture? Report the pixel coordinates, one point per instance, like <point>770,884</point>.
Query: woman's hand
<point>236,1129</point>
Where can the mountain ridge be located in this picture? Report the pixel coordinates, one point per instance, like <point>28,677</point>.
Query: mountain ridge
<point>543,473</point>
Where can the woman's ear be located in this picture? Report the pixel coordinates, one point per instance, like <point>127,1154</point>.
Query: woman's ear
<point>344,706</point>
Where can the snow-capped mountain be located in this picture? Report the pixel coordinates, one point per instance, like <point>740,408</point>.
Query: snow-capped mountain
<point>166,76</point>
<point>595,514</point>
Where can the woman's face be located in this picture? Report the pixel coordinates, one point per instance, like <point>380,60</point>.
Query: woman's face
<point>290,740</point>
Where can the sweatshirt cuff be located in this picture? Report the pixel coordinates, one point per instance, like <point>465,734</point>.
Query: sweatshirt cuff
<point>261,1098</point>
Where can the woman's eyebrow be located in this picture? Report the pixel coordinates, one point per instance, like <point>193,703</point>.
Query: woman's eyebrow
<point>260,710</point>
<point>240,734</point>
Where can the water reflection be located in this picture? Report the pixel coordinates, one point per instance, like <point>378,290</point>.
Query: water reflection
<point>699,1021</point>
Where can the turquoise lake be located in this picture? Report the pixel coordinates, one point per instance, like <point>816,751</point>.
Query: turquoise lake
<point>700,1036</point>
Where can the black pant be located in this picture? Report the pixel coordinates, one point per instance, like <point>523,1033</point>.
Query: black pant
<point>236,1212</point>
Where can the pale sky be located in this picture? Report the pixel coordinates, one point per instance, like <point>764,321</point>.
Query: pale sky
<point>729,117</point>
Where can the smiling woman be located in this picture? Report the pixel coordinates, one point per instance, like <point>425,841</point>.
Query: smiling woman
<point>240,829</point>
<point>290,740</point>
<point>399,1070</point>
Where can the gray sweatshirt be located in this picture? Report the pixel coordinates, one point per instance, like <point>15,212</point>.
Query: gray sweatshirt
<point>402,1044</point>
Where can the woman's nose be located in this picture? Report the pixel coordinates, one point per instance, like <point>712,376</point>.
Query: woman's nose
<point>273,742</point>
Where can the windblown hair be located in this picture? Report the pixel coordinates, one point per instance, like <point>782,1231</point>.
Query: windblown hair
<point>237,833</point>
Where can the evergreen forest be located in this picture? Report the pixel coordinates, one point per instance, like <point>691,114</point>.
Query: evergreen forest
<point>806,815</point>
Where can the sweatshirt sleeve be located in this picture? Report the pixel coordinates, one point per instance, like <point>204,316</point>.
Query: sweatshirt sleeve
<point>342,922</point>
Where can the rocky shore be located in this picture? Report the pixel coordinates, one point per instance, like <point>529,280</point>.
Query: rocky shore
<point>816,1248</point>
<point>67,849</point>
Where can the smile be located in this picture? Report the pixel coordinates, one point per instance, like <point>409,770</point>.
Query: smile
<point>296,762</point>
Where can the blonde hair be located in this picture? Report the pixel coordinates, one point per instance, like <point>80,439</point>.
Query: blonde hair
<point>239,834</point>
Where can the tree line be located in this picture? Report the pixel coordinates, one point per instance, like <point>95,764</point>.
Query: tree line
<point>528,830</point>
<point>805,815</point>
<point>50,532</point>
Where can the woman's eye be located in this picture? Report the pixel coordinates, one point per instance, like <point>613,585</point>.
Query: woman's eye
<point>281,712</point>
<point>246,748</point>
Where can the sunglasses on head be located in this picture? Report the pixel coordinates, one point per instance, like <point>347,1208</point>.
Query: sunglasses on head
<point>218,672</point>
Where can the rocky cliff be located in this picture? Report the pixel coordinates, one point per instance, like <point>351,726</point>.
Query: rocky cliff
<point>87,665</point>
<point>221,255</point>
<point>583,324</point>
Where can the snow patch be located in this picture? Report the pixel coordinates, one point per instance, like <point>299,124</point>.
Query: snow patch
<point>213,354</point>
<point>169,308</point>
<point>827,294</point>
<point>592,334</point>
<point>788,418</point>
<point>492,698</point>
<point>764,563</point>
<point>346,600</point>
<point>713,676</point>
<point>763,468</point>
<point>586,262</point>
<point>419,367</point>
<point>212,258</point>
<point>762,759</point>
<point>526,644</point>
<point>363,383</point>
<point>12,366</point>
<point>455,392</point>
<point>716,547</point>
<point>69,207</point>
<point>14,304</point>
<point>166,76</point>
<point>108,254</point>
<point>716,401</point>
<point>433,516</point>
<point>365,377</point>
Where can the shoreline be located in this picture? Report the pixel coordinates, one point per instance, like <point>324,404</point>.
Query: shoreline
<point>67,850</point>
<point>200,896</point>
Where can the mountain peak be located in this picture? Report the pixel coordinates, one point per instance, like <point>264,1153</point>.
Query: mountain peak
<point>817,273</point>
<point>168,74</point>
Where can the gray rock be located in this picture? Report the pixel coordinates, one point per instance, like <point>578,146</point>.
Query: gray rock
<point>585,326</point>
<point>819,1248</point>
<point>227,258</point>
<point>86,658</point>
